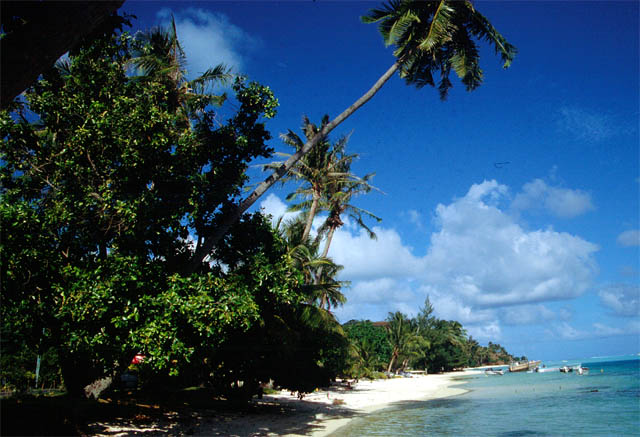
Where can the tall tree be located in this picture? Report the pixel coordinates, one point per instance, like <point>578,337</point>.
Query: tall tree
<point>314,170</point>
<point>158,55</point>
<point>320,283</point>
<point>101,188</point>
<point>430,37</point>
<point>364,335</point>
<point>340,192</point>
<point>401,336</point>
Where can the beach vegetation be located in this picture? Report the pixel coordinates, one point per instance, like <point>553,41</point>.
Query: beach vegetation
<point>125,232</point>
<point>111,182</point>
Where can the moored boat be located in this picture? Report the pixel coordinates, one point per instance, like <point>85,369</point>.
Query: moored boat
<point>494,372</point>
<point>523,367</point>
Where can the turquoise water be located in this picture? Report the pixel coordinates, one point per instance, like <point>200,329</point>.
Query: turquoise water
<point>604,402</point>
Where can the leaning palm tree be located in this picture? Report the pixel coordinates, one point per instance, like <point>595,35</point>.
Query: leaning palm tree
<point>430,37</point>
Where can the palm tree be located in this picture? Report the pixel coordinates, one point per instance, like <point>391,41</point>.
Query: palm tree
<point>328,290</point>
<point>319,272</point>
<point>430,37</point>
<point>315,169</point>
<point>158,55</point>
<point>367,360</point>
<point>400,336</point>
<point>340,191</point>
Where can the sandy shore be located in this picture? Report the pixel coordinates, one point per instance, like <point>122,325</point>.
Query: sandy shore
<point>318,414</point>
<point>368,396</point>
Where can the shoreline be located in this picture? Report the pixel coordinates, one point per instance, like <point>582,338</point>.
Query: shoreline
<point>392,393</point>
<point>318,414</point>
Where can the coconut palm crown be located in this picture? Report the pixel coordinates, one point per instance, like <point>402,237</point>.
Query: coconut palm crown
<point>158,54</point>
<point>434,37</point>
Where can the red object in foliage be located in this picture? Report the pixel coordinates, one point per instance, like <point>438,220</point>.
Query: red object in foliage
<point>138,359</point>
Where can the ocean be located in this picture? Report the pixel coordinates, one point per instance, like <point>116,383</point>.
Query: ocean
<point>603,402</point>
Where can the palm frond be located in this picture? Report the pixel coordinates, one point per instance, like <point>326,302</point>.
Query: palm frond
<point>465,61</point>
<point>220,74</point>
<point>433,37</point>
<point>400,30</point>
<point>63,66</point>
<point>385,18</point>
<point>445,83</point>
<point>302,206</point>
<point>440,29</point>
<point>481,28</point>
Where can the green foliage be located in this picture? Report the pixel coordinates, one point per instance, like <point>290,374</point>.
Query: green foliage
<point>423,342</point>
<point>109,185</point>
<point>18,366</point>
<point>370,346</point>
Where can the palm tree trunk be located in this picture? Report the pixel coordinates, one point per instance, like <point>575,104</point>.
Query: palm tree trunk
<point>393,359</point>
<point>405,363</point>
<point>240,209</point>
<point>312,214</point>
<point>325,252</point>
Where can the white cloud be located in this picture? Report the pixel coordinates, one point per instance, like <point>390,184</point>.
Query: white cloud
<point>622,299</point>
<point>561,202</point>
<point>209,39</point>
<point>602,330</point>
<point>479,260</point>
<point>487,332</point>
<point>565,331</point>
<point>591,126</point>
<point>481,267</point>
<point>414,218</point>
<point>530,314</point>
<point>629,238</point>
<point>365,258</point>
<point>606,331</point>
<point>376,298</point>
<point>451,307</point>
<point>276,208</point>
<point>482,255</point>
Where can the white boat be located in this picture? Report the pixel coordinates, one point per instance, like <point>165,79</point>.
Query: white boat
<point>547,369</point>
<point>578,369</point>
<point>494,372</point>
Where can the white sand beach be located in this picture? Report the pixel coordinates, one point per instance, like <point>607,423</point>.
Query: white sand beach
<point>317,414</point>
<point>365,397</point>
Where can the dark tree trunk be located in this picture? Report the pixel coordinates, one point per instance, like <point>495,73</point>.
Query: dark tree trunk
<point>76,375</point>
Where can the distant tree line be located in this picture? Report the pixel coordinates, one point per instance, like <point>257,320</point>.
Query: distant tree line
<point>423,342</point>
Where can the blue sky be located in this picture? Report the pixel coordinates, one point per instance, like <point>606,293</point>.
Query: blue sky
<point>514,207</point>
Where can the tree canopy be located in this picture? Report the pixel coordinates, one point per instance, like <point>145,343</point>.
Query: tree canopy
<point>106,196</point>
